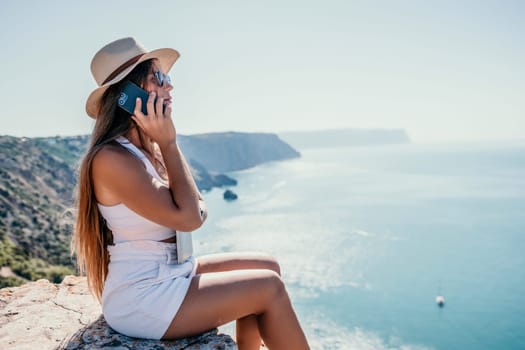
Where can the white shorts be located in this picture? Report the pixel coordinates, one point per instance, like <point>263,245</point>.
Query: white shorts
<point>145,287</point>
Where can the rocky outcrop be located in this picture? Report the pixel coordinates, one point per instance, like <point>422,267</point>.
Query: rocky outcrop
<point>229,195</point>
<point>205,180</point>
<point>232,151</point>
<point>42,315</point>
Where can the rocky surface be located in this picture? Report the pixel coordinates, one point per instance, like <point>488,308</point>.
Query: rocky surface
<point>42,315</point>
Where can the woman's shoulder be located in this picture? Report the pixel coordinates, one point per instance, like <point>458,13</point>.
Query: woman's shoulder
<point>111,152</point>
<point>112,157</point>
<point>116,173</point>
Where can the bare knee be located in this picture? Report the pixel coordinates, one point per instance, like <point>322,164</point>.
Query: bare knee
<point>271,263</point>
<point>275,288</point>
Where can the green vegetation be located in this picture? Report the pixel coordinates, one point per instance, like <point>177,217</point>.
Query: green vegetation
<point>37,180</point>
<point>11,281</point>
<point>26,268</point>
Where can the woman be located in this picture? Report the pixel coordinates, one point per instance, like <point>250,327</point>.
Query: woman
<point>135,190</point>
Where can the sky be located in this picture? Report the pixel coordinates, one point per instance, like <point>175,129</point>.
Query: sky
<point>442,70</point>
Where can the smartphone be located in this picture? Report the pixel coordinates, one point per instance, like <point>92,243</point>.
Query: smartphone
<point>128,97</point>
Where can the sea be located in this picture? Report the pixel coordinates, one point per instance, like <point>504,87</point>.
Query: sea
<point>367,237</point>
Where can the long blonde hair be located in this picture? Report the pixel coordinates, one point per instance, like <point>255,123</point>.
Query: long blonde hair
<point>92,236</point>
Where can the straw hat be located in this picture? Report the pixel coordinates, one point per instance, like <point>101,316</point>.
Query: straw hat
<point>116,60</point>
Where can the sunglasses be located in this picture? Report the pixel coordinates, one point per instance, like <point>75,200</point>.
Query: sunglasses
<point>162,78</point>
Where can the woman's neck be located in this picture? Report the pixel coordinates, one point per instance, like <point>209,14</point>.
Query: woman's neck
<point>140,140</point>
<point>143,142</point>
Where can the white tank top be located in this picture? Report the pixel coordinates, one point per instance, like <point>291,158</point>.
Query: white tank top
<point>127,225</point>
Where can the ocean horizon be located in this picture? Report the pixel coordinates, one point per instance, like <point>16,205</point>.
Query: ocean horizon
<point>367,237</point>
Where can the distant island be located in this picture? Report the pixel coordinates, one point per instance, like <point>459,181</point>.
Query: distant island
<point>344,137</point>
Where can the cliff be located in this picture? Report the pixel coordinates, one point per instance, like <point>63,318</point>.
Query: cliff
<point>42,315</point>
<point>71,149</point>
<point>38,179</point>
<point>230,151</point>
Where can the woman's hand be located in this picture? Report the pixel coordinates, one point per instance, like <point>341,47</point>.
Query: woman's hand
<point>156,124</point>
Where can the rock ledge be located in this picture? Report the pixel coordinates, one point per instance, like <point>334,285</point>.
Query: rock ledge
<point>44,315</point>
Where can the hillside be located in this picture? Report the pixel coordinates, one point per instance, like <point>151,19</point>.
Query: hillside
<point>36,189</point>
<point>37,181</point>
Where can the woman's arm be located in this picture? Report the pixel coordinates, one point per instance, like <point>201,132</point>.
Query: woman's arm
<point>120,177</point>
<point>183,189</point>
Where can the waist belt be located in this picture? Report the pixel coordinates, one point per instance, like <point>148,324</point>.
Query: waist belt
<point>126,256</point>
<point>144,250</point>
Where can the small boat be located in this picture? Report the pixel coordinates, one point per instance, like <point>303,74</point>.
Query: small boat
<point>440,300</point>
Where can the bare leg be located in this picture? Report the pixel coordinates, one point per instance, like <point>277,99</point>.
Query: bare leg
<point>237,261</point>
<point>217,298</point>
<point>247,328</point>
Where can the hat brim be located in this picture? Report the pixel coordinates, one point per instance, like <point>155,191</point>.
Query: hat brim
<point>166,58</point>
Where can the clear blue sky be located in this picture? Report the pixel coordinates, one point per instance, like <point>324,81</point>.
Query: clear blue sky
<point>443,70</point>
